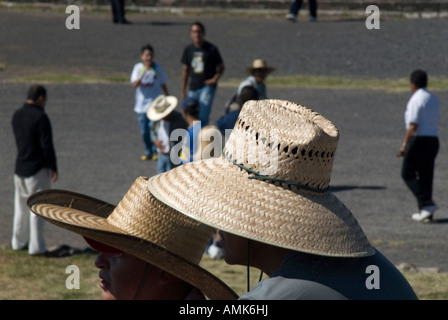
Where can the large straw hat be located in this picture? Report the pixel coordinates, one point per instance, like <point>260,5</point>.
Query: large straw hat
<point>141,226</point>
<point>258,64</point>
<point>271,184</point>
<point>161,107</point>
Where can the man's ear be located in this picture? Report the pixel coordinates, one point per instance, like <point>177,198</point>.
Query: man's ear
<point>41,101</point>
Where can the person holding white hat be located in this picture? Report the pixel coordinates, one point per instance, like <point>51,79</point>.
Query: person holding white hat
<point>150,81</point>
<point>165,119</point>
<point>268,194</point>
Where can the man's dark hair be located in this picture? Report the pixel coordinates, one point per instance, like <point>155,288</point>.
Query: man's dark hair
<point>147,47</point>
<point>191,106</point>
<point>36,91</point>
<point>246,94</point>
<point>419,78</point>
<point>199,24</point>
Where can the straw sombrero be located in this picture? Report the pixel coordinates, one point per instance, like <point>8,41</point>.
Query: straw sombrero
<point>161,107</point>
<point>270,184</point>
<point>259,64</point>
<point>141,226</point>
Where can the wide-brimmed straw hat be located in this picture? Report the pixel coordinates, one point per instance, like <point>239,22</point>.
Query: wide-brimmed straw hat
<point>258,64</point>
<point>141,226</point>
<point>271,183</point>
<point>161,107</point>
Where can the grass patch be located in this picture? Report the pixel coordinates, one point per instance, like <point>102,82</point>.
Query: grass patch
<point>324,82</point>
<point>23,277</point>
<point>292,81</point>
<point>391,85</point>
<point>72,78</point>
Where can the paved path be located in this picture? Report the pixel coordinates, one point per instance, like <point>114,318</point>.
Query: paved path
<point>96,133</point>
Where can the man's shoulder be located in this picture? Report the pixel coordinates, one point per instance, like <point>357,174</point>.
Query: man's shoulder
<point>209,46</point>
<point>423,96</point>
<point>280,288</point>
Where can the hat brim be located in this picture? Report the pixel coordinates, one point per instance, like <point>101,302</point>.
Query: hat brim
<point>220,194</point>
<point>87,217</point>
<point>153,115</point>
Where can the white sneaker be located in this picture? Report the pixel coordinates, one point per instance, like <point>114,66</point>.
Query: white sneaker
<point>291,17</point>
<point>424,214</point>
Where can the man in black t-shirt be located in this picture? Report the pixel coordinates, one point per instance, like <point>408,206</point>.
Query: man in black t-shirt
<point>202,64</point>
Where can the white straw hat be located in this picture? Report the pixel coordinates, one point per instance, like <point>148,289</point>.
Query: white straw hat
<point>259,64</point>
<point>271,184</point>
<point>141,226</point>
<point>161,107</point>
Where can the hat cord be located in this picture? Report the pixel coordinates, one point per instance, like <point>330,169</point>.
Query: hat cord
<point>259,176</point>
<point>248,269</point>
<point>142,280</point>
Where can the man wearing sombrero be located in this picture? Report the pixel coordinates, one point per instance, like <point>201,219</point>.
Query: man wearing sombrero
<point>257,75</point>
<point>147,249</point>
<point>268,194</point>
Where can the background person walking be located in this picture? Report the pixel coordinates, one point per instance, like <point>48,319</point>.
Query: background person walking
<point>420,144</point>
<point>35,168</point>
<point>203,65</point>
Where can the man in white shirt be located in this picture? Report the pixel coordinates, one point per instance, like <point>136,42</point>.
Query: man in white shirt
<point>420,145</point>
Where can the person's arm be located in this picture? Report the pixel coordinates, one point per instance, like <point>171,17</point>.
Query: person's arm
<point>184,81</point>
<point>137,81</point>
<point>410,132</point>
<point>165,89</point>
<point>213,81</point>
<point>47,146</point>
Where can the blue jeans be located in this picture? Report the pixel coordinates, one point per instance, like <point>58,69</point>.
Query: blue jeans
<point>145,131</point>
<point>163,163</point>
<point>205,97</point>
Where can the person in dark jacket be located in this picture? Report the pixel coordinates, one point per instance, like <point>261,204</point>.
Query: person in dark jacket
<point>35,168</point>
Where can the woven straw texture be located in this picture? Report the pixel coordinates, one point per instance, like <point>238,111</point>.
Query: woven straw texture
<point>219,193</point>
<point>141,226</point>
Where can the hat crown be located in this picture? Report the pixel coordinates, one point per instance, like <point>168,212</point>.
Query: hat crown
<point>284,142</point>
<point>259,64</point>
<point>161,104</point>
<point>141,215</point>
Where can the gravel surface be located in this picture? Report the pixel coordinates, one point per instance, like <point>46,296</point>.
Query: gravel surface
<point>96,132</point>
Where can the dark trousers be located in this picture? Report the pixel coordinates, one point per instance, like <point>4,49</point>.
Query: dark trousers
<point>117,10</point>
<point>418,168</point>
<point>297,4</point>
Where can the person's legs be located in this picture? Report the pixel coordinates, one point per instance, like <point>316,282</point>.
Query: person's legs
<point>294,10</point>
<point>409,172</point>
<point>313,9</point>
<point>145,132</point>
<point>206,96</point>
<point>20,231</point>
<point>429,147</point>
<point>163,163</point>
<point>29,227</point>
<point>41,181</point>
<point>295,7</point>
<point>115,7</point>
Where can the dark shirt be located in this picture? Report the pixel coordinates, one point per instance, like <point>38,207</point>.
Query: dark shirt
<point>202,63</point>
<point>228,121</point>
<point>34,140</point>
